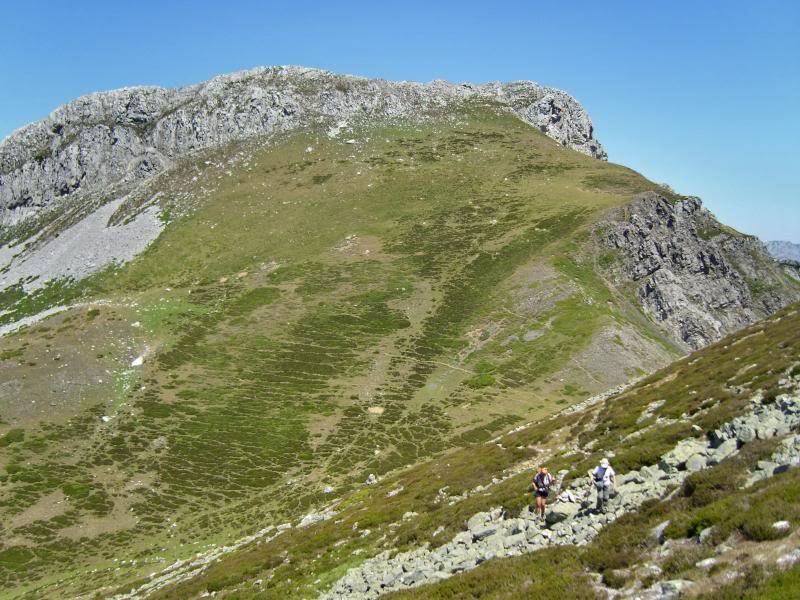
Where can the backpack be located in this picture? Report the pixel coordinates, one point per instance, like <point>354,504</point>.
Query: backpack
<point>542,482</point>
<point>599,475</point>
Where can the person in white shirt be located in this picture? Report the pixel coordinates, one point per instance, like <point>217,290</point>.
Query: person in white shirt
<point>605,480</point>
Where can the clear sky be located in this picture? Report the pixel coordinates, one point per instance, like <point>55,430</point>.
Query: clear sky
<point>703,95</point>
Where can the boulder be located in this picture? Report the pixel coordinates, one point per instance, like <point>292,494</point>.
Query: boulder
<point>389,578</point>
<point>479,520</point>
<point>723,451</point>
<point>561,511</point>
<point>312,518</point>
<point>781,526</point>
<point>764,431</point>
<point>481,533</point>
<point>746,433</point>
<point>514,540</point>
<point>718,437</point>
<point>463,538</point>
<point>414,578</point>
<point>696,462</point>
<point>532,534</point>
<point>787,560</point>
<point>648,570</point>
<point>705,534</point>
<point>513,526</point>
<point>584,536</point>
<point>768,467</point>
<point>676,458</point>
<point>706,563</point>
<point>652,472</point>
<point>567,496</point>
<point>788,404</point>
<point>673,588</point>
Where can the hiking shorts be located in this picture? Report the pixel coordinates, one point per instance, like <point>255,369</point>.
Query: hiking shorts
<point>542,493</point>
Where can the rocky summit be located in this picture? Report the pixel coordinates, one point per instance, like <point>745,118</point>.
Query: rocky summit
<point>127,135</point>
<point>288,333</point>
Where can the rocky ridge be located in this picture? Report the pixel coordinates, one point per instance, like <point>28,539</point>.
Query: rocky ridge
<point>696,278</point>
<point>571,520</point>
<point>128,135</point>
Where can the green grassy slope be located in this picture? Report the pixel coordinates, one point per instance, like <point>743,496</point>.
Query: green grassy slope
<point>315,311</point>
<point>711,386</point>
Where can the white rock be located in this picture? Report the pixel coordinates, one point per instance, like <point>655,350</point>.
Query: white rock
<point>706,563</point>
<point>781,525</point>
<point>788,559</point>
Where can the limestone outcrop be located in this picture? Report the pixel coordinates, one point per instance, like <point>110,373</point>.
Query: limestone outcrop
<point>130,134</point>
<point>696,278</point>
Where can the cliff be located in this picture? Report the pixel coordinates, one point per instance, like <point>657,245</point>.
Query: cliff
<point>698,279</point>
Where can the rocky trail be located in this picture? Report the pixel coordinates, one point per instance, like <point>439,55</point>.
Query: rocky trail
<point>572,519</point>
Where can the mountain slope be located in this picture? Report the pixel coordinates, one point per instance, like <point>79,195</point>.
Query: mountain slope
<point>448,516</point>
<point>788,255</point>
<point>320,306</point>
<point>312,317</point>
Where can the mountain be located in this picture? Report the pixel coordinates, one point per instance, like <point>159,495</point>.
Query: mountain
<point>784,250</point>
<point>227,305</point>
<point>788,255</point>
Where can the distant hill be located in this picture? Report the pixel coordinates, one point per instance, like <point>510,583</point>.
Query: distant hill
<point>784,250</point>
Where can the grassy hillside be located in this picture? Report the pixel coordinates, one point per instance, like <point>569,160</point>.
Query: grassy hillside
<point>709,387</point>
<point>315,311</point>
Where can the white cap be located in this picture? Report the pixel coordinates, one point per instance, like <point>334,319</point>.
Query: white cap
<point>604,462</point>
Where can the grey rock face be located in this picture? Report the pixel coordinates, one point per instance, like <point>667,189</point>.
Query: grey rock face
<point>82,249</point>
<point>130,134</point>
<point>695,278</point>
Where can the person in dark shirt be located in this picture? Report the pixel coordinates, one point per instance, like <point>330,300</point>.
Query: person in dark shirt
<point>540,485</point>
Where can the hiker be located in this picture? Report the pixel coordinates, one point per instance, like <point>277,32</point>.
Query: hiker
<point>541,486</point>
<point>605,480</point>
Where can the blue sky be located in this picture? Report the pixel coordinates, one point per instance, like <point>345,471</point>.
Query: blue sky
<point>701,95</point>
